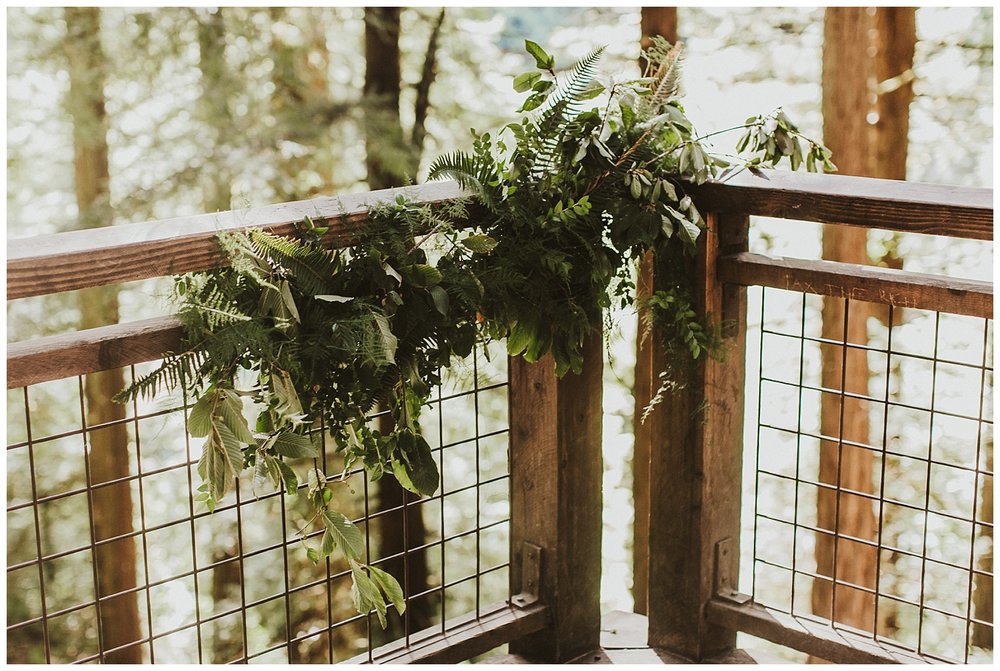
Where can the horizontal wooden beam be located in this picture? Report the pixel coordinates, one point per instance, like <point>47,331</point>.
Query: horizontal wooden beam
<point>834,645</point>
<point>463,637</point>
<point>113,254</point>
<point>888,286</point>
<point>855,201</point>
<point>81,352</point>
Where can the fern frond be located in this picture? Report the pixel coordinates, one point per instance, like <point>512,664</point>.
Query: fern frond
<point>175,370</point>
<point>469,171</point>
<point>310,265</point>
<point>667,77</point>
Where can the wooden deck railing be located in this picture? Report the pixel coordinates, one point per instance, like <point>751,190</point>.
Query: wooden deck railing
<point>555,449</point>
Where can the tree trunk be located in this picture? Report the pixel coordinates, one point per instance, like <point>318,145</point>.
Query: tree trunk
<point>399,529</point>
<point>386,155</point>
<point>108,447</point>
<point>660,21</point>
<point>982,596</point>
<point>895,40</point>
<point>216,84</point>
<point>846,102</point>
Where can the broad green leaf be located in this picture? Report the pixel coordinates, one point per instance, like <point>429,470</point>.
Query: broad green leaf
<point>591,91</point>
<point>284,390</point>
<point>423,275</point>
<point>389,341</point>
<point>365,594</point>
<point>542,60</point>
<point>331,298</point>
<point>200,417</point>
<point>518,340</point>
<point>286,297</point>
<point>480,243</point>
<point>347,535</point>
<point>525,81</point>
<point>688,231</point>
<point>294,446</point>
<point>416,470</point>
<point>312,555</point>
<point>441,300</point>
<point>389,586</point>
<point>230,409</point>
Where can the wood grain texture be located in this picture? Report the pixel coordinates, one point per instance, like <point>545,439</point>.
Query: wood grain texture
<point>556,502</point>
<point>113,254</point>
<point>696,465</point>
<point>855,201</point>
<point>464,637</point>
<point>91,350</point>
<point>819,640</point>
<point>887,286</point>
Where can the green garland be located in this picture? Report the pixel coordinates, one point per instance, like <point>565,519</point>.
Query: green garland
<point>293,340</point>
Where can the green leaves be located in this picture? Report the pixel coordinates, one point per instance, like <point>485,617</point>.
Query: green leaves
<point>542,60</point>
<point>479,243</point>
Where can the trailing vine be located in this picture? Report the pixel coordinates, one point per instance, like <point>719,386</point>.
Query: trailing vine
<point>292,341</point>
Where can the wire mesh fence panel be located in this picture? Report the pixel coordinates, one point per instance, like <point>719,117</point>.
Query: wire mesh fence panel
<point>872,476</point>
<point>132,569</point>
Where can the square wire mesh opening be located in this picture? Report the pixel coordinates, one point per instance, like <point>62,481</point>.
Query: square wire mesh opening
<point>872,478</point>
<point>110,558</point>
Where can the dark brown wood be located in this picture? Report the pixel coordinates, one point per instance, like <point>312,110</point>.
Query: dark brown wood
<point>90,350</point>
<point>556,503</point>
<point>861,283</point>
<point>855,201</point>
<point>895,42</point>
<point>660,21</point>
<point>695,469</point>
<point>463,637</point>
<point>78,259</point>
<point>819,640</point>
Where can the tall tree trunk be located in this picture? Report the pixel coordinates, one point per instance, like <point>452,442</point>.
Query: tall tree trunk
<point>895,40</point>
<point>216,84</point>
<point>982,596</point>
<point>399,528</point>
<point>660,21</point>
<point>385,149</point>
<point>846,102</point>
<point>108,453</point>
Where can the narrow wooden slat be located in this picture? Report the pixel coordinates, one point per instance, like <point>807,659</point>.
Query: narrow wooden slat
<point>112,254</point>
<point>856,201</point>
<point>834,645</point>
<point>696,464</point>
<point>463,637</point>
<point>556,472</point>
<point>82,352</point>
<point>862,283</point>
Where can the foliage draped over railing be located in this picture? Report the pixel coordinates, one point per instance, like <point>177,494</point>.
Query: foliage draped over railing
<point>300,338</point>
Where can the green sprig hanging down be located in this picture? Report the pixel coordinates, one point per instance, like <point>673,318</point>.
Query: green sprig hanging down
<point>292,340</point>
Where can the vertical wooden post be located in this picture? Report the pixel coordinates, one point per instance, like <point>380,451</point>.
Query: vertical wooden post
<point>695,466</point>
<point>660,21</point>
<point>556,473</point>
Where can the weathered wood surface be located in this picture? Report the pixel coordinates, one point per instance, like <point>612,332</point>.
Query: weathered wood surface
<point>91,350</point>
<point>819,640</point>
<point>556,503</point>
<point>855,201</point>
<point>861,283</point>
<point>463,638</point>
<point>113,254</point>
<point>696,466</point>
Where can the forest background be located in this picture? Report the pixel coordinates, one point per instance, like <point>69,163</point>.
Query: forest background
<point>210,109</point>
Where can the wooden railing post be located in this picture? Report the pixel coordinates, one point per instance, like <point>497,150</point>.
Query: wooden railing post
<point>556,473</point>
<point>695,467</point>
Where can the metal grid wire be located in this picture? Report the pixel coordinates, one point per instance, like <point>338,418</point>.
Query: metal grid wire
<point>904,550</point>
<point>236,585</point>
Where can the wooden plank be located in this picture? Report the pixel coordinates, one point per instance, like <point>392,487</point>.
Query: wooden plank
<point>463,637</point>
<point>819,640</point>
<point>81,352</point>
<point>695,467</point>
<point>112,254</point>
<point>855,201</point>
<point>862,283</point>
<point>556,474</point>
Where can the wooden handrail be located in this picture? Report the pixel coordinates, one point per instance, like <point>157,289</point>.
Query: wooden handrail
<point>887,286</point>
<point>50,264</point>
<point>108,255</point>
<point>910,207</point>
